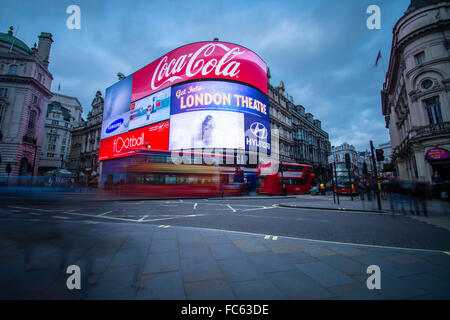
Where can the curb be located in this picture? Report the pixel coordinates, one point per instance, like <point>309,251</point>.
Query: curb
<point>191,198</point>
<point>334,209</point>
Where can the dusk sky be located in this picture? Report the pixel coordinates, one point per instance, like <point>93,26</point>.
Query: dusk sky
<point>322,50</point>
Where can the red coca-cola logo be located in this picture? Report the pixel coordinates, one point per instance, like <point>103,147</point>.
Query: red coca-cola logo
<point>199,61</point>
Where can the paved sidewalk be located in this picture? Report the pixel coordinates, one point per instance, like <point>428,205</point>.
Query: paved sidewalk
<point>130,261</point>
<point>435,207</point>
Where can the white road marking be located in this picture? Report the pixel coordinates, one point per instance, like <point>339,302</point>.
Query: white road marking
<point>32,209</point>
<point>102,214</point>
<point>142,219</point>
<point>195,206</point>
<point>59,217</point>
<point>231,208</point>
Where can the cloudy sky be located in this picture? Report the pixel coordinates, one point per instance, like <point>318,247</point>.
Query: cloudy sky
<point>322,50</point>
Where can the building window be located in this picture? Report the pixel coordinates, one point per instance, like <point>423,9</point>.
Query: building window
<point>3,92</point>
<point>35,99</point>
<point>50,155</point>
<point>2,108</point>
<point>51,147</point>
<point>55,122</point>
<point>63,149</point>
<point>39,77</point>
<point>13,69</point>
<point>420,58</point>
<point>31,123</point>
<point>433,110</point>
<point>52,139</point>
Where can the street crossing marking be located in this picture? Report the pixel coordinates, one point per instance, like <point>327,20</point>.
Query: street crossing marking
<point>267,237</point>
<point>163,226</point>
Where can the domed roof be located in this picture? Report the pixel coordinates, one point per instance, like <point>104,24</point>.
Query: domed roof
<point>10,39</point>
<point>416,4</point>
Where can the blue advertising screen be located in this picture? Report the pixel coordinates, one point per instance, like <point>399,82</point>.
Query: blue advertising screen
<point>116,110</point>
<point>219,114</point>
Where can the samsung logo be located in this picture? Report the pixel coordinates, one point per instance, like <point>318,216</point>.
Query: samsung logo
<point>113,126</point>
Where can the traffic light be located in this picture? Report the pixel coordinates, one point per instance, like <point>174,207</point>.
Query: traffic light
<point>380,154</point>
<point>347,161</point>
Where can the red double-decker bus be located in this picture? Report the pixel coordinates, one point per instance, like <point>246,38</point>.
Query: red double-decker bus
<point>284,178</point>
<point>153,174</point>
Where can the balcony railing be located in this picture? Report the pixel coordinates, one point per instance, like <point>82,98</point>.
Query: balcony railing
<point>416,133</point>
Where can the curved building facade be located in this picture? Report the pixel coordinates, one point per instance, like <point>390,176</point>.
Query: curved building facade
<point>415,95</point>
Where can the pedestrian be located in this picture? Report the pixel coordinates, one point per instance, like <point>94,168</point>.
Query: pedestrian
<point>420,198</point>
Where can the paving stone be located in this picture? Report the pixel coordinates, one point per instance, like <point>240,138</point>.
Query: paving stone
<point>104,247</point>
<point>344,264</point>
<point>163,245</point>
<point>239,270</point>
<point>282,247</point>
<point>261,289</point>
<point>385,265</point>
<point>324,274</point>
<point>194,249</point>
<point>203,268</point>
<point>295,283</point>
<point>225,251</point>
<point>189,236</point>
<point>348,250</point>
<point>162,262</point>
<point>403,258</point>
<point>116,281</point>
<point>249,245</point>
<point>269,262</point>
<point>131,256</point>
<point>431,284</point>
<point>162,286</point>
<point>318,251</point>
<point>137,241</point>
<point>209,290</point>
<point>164,234</point>
<point>94,264</point>
<point>220,239</point>
<point>297,257</point>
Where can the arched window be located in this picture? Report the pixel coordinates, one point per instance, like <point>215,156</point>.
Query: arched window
<point>13,69</point>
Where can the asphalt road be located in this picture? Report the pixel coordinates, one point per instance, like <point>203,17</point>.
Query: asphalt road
<point>261,216</point>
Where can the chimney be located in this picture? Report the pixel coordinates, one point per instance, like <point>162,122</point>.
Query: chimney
<point>44,46</point>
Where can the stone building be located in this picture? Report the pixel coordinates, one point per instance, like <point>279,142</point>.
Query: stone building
<point>302,139</point>
<point>25,83</point>
<point>415,95</point>
<point>63,114</point>
<point>83,158</point>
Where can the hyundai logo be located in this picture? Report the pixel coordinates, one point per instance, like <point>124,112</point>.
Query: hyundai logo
<point>258,130</point>
<point>114,126</point>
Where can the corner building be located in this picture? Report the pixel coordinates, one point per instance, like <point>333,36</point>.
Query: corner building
<point>415,96</point>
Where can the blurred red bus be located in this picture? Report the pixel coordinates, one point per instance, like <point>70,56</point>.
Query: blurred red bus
<point>153,174</point>
<point>297,178</point>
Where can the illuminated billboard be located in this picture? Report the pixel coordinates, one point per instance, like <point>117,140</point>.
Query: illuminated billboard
<point>116,109</point>
<point>155,136</point>
<point>201,60</point>
<point>152,109</point>
<point>213,95</point>
<point>219,114</point>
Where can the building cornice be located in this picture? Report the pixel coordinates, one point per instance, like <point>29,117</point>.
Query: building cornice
<point>28,81</point>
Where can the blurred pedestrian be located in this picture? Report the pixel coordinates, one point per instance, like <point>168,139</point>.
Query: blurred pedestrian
<point>420,198</point>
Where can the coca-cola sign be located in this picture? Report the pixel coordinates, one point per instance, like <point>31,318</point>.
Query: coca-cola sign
<point>201,60</point>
